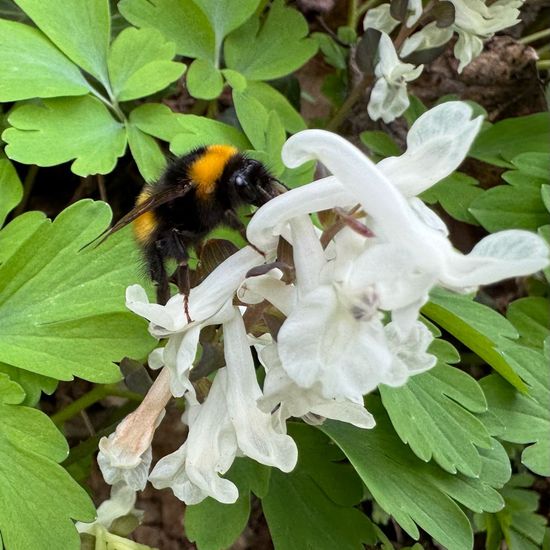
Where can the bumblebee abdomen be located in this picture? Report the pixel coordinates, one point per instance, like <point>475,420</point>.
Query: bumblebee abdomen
<point>145,225</point>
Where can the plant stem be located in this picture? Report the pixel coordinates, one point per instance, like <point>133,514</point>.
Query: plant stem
<point>96,394</point>
<point>352,14</point>
<point>535,36</point>
<point>543,65</point>
<point>28,184</point>
<point>113,106</point>
<point>543,50</point>
<point>101,187</point>
<point>335,122</point>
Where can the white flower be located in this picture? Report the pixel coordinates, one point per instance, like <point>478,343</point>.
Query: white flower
<point>389,97</point>
<point>380,18</point>
<point>210,303</point>
<point>228,422</point>
<point>288,399</point>
<point>121,503</point>
<point>474,22</point>
<point>334,339</point>
<point>125,456</point>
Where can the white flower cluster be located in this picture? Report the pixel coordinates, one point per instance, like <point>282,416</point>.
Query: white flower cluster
<point>474,21</point>
<point>351,315</point>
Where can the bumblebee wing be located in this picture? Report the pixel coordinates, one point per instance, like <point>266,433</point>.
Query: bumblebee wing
<point>155,200</point>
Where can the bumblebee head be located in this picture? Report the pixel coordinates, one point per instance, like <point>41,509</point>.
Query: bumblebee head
<point>252,183</point>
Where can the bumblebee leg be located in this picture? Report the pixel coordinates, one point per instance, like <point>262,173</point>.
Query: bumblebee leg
<point>182,271</point>
<point>155,263</point>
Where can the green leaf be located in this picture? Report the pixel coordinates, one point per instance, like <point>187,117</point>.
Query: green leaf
<point>312,507</point>
<point>63,129</point>
<point>455,193</point>
<point>412,491</point>
<point>527,417</point>
<point>31,66</point>
<point>235,79</point>
<point>380,143</point>
<point>229,519</point>
<point>62,311</point>
<point>11,189</point>
<point>533,164</point>
<point>32,384</point>
<point>477,326</point>
<point>510,207</point>
<point>42,496</point>
<point>432,414</point>
<point>204,80</point>
<point>226,16</point>
<point>531,317</point>
<point>184,132</point>
<point>414,110</point>
<point>253,117</point>
<point>517,524</point>
<point>273,49</point>
<point>17,232</point>
<point>505,140</point>
<point>180,21</point>
<point>333,53</point>
<point>140,63</point>
<point>545,195</point>
<point>146,152</point>
<point>273,100</point>
<point>81,29</point>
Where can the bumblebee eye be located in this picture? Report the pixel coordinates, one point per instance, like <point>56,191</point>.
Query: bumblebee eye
<point>239,180</point>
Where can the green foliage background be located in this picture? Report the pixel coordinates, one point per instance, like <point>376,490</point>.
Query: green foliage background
<point>76,88</point>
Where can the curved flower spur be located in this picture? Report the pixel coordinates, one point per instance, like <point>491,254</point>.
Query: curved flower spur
<point>350,317</point>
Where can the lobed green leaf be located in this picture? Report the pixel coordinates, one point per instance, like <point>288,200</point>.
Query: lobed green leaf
<point>43,498</point>
<point>312,507</point>
<point>63,129</point>
<point>505,140</point>
<point>11,189</point>
<point>272,49</point>
<point>432,414</point>
<point>140,63</point>
<point>204,80</point>
<point>58,20</point>
<point>31,66</point>
<point>413,492</point>
<point>180,21</point>
<point>62,310</point>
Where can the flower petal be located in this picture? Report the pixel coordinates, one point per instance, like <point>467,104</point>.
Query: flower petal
<point>256,436</point>
<point>205,300</point>
<point>512,253</point>
<point>322,342</point>
<point>440,139</point>
<point>265,225</point>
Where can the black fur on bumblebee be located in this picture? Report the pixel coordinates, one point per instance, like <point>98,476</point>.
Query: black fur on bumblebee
<point>196,193</point>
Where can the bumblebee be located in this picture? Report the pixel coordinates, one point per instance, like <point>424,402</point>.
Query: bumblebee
<point>196,193</point>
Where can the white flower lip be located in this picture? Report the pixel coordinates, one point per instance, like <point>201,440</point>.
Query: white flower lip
<point>440,139</point>
<point>205,300</point>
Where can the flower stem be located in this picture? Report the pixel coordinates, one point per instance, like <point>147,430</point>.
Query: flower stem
<point>543,65</point>
<point>352,14</point>
<point>93,396</point>
<point>356,94</point>
<point>535,36</point>
<point>28,184</point>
